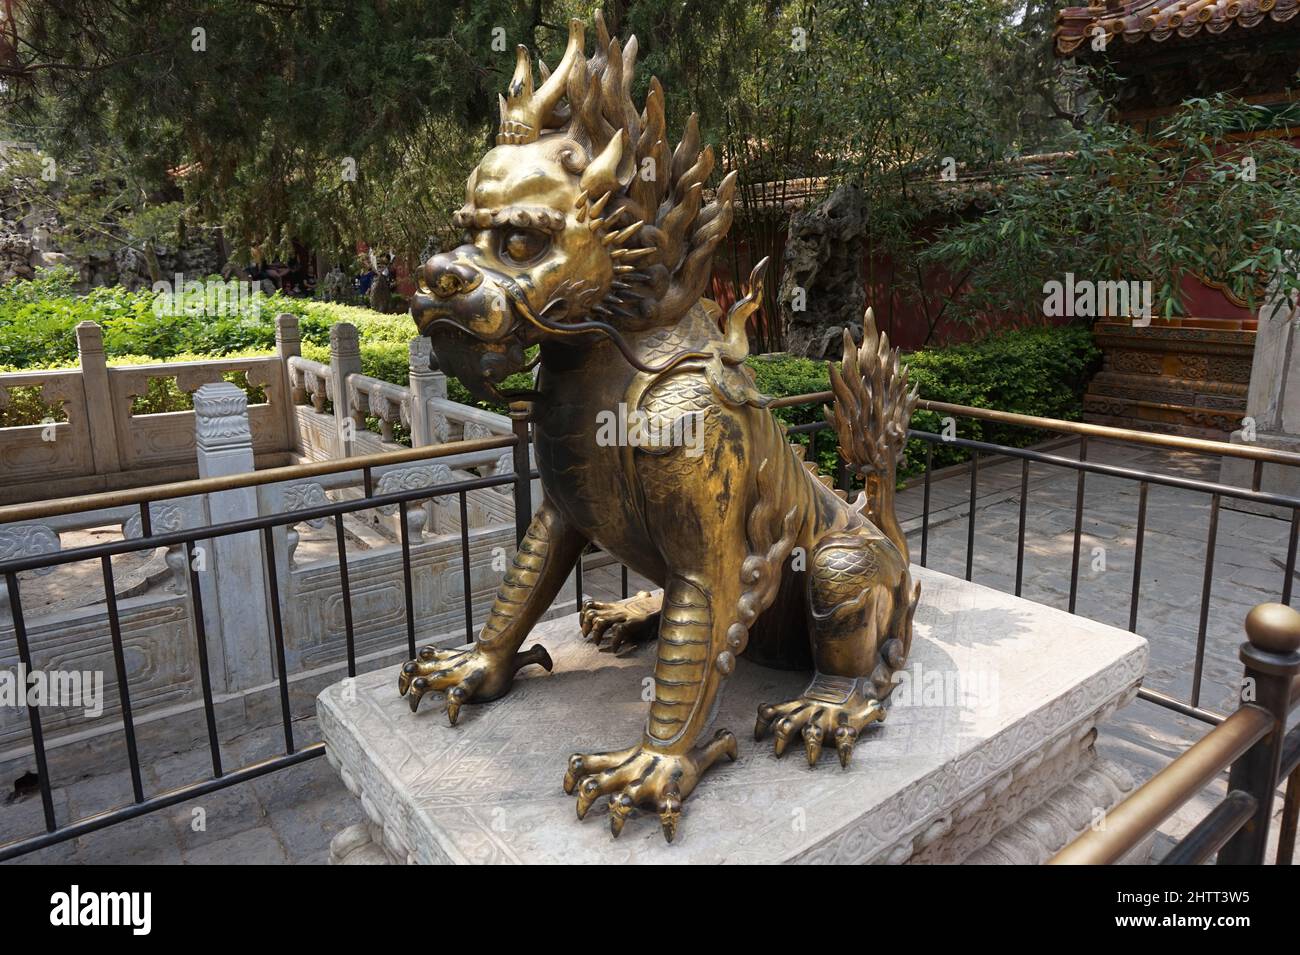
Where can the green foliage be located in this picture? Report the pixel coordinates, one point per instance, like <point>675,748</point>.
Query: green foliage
<point>38,322</point>
<point>1122,206</point>
<point>270,108</point>
<point>1034,371</point>
<point>1038,371</point>
<point>99,201</point>
<point>884,96</point>
<point>258,124</point>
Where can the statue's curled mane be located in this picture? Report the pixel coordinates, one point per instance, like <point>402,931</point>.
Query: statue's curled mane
<point>660,232</point>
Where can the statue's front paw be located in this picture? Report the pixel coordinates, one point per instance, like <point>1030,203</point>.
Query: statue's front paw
<point>641,778</point>
<point>470,674</point>
<point>625,623</point>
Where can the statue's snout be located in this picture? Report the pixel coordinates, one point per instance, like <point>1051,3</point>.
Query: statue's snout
<point>447,274</point>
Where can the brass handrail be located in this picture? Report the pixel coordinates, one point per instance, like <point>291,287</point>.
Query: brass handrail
<point>38,510</point>
<point>1173,441</point>
<point>1166,792</point>
<point>1250,742</point>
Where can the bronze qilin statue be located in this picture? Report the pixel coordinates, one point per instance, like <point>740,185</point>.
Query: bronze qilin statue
<point>588,236</point>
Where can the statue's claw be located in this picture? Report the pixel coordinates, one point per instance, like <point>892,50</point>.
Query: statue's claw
<point>620,807</point>
<point>638,777</point>
<point>623,623</point>
<point>670,813</point>
<point>845,737</point>
<point>812,742</point>
<point>465,674</point>
<point>817,719</point>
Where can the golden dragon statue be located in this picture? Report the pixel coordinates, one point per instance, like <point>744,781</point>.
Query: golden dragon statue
<point>586,236</point>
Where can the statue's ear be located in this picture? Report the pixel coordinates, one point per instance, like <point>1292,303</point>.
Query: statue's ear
<point>612,169</point>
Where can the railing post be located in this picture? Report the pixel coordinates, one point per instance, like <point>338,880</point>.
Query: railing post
<point>345,360</point>
<point>424,383</point>
<point>523,469</point>
<point>288,344</point>
<point>99,410</point>
<point>232,570</point>
<point>1272,659</point>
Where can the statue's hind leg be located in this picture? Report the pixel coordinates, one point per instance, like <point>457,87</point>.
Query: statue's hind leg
<point>860,605</point>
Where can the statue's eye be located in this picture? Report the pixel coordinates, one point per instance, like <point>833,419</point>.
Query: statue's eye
<point>523,245</point>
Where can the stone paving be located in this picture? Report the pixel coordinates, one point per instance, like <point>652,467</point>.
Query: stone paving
<point>1249,565</point>
<point>290,816</point>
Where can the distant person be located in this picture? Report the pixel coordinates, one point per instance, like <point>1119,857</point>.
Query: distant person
<point>381,289</point>
<point>364,281</point>
<point>334,287</point>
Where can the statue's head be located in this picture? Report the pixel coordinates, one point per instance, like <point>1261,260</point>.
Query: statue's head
<point>580,221</point>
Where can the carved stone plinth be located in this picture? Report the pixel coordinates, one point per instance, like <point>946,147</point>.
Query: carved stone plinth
<point>987,754</point>
<point>1273,409</point>
<point>1183,376</point>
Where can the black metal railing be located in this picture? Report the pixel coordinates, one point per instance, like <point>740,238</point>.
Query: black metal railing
<point>1082,467</point>
<point>58,829</point>
<point>1252,744</point>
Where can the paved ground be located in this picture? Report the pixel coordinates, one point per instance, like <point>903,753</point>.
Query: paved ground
<point>290,816</point>
<point>1249,565</point>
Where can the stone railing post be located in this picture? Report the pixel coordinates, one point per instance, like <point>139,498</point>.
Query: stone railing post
<point>288,344</point>
<point>99,409</point>
<point>425,383</point>
<point>232,569</point>
<point>345,360</point>
<point>1272,406</point>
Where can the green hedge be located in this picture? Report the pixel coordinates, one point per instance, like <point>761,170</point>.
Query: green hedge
<point>38,321</point>
<point>1037,371</point>
<point>1034,371</point>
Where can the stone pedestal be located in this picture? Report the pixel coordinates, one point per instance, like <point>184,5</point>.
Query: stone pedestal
<point>1272,408</point>
<point>987,754</point>
<point>1183,376</point>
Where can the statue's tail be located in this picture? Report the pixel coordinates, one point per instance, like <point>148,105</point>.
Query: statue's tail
<point>872,409</point>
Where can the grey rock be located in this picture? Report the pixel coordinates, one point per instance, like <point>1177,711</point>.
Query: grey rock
<point>823,264</point>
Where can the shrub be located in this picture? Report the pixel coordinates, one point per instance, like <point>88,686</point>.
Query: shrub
<point>38,321</point>
<point>1033,371</point>
<point>1037,371</point>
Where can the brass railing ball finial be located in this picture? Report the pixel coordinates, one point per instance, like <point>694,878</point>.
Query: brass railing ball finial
<point>1274,628</point>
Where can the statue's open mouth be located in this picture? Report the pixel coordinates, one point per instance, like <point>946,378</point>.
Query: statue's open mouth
<point>482,367</point>
<point>481,337</point>
<point>478,338</point>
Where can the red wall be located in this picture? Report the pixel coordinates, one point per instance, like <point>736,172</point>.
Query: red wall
<point>906,323</point>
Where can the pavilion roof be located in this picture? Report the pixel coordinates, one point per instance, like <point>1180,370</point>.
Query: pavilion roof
<point>1144,22</point>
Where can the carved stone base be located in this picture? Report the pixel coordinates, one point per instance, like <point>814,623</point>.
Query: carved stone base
<point>1274,479</point>
<point>987,754</point>
<point>1066,814</point>
<point>1185,376</point>
<point>361,844</point>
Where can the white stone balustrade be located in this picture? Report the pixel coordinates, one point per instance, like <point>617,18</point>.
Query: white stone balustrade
<point>102,445</point>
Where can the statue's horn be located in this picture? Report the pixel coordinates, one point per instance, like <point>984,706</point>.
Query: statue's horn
<point>524,111</point>
<point>521,84</point>
<point>549,95</point>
